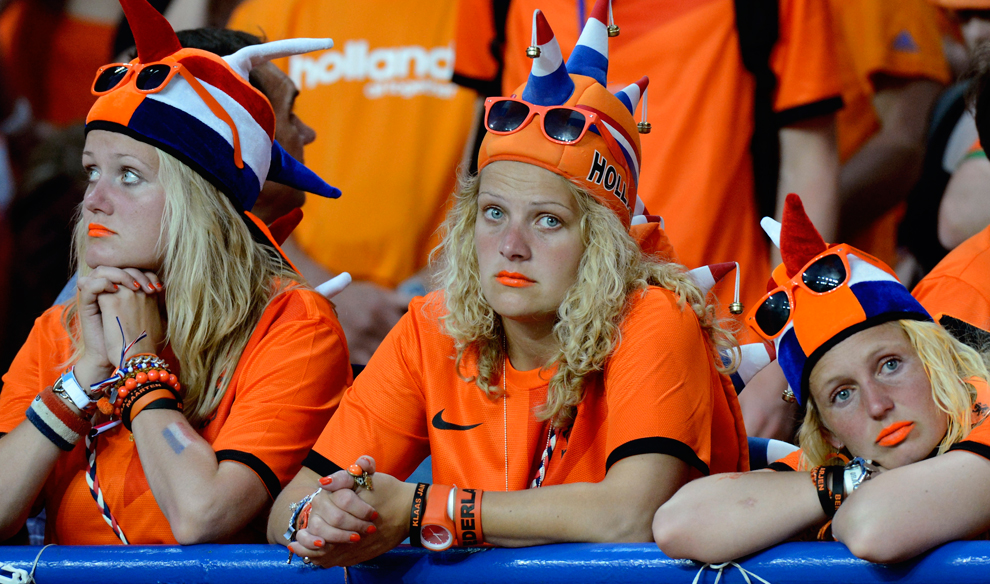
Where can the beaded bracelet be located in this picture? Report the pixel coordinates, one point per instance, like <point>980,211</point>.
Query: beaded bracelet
<point>136,372</point>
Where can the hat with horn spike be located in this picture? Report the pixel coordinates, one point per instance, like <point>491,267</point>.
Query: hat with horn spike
<point>201,109</point>
<point>821,295</point>
<point>606,160</point>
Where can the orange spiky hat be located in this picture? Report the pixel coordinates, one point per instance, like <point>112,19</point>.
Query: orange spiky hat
<point>862,293</point>
<point>606,160</point>
<point>200,108</point>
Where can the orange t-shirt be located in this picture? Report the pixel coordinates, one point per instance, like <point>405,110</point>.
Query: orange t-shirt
<point>959,285</point>
<point>659,392</point>
<point>74,50</point>
<point>287,384</point>
<point>391,127</point>
<point>697,170</point>
<point>878,37</point>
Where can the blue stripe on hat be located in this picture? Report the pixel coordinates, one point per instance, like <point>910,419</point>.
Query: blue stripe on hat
<point>624,98</point>
<point>791,357</point>
<point>199,147</point>
<point>589,62</point>
<point>883,296</point>
<point>553,89</point>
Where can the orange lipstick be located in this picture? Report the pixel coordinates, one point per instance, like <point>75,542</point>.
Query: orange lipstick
<point>513,280</point>
<point>97,230</point>
<point>894,434</point>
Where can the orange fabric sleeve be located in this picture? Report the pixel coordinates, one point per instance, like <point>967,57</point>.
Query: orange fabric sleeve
<point>383,414</point>
<point>804,58</point>
<point>33,369</point>
<point>288,385</point>
<point>955,297</point>
<point>475,35</point>
<point>792,461</point>
<point>676,413</point>
<point>978,440</point>
<point>898,39</point>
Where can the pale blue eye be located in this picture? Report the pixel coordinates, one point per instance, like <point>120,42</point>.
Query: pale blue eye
<point>549,221</point>
<point>891,365</point>
<point>92,175</point>
<point>129,178</point>
<point>493,213</point>
<point>842,395</point>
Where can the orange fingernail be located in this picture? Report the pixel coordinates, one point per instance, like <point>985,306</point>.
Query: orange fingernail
<point>355,538</point>
<point>326,481</point>
<point>137,286</point>
<point>374,515</point>
<point>318,543</point>
<point>115,287</point>
<point>371,529</point>
<point>159,285</point>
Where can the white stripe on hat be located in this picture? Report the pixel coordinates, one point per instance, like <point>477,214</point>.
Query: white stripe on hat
<point>863,271</point>
<point>550,59</point>
<point>256,147</point>
<point>595,36</point>
<point>628,147</point>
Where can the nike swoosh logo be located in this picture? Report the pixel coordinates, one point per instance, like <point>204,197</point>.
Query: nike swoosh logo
<point>440,424</point>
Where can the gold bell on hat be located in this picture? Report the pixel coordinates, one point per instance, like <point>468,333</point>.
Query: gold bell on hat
<point>644,127</point>
<point>736,308</point>
<point>613,31</point>
<point>532,51</point>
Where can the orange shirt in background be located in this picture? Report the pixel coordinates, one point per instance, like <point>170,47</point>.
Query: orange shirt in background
<point>391,127</point>
<point>287,384</point>
<point>879,37</point>
<point>697,171</point>
<point>53,63</point>
<point>959,285</point>
<point>659,393</point>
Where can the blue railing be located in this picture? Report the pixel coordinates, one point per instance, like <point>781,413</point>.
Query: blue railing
<point>827,563</point>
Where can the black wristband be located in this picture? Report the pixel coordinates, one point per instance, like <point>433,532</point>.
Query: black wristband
<point>819,476</point>
<point>416,514</point>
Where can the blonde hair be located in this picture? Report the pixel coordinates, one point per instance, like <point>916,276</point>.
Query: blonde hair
<point>612,267</point>
<point>949,365</point>
<point>210,318</point>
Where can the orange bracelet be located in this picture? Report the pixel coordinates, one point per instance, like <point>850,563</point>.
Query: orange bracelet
<point>467,517</point>
<point>437,533</point>
<point>146,400</point>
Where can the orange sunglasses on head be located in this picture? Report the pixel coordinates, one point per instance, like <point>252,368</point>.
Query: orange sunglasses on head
<point>824,273</point>
<point>153,78</point>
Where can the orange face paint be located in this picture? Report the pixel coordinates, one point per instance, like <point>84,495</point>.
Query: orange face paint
<point>894,434</point>
<point>97,230</point>
<point>513,280</point>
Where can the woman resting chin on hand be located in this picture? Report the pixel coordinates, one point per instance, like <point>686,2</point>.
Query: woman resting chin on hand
<point>894,443</point>
<point>190,337</point>
<point>536,378</point>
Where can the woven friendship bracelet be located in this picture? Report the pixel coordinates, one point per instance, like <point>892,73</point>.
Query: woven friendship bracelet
<point>56,420</point>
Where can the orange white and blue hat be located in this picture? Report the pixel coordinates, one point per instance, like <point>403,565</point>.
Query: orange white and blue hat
<point>821,295</point>
<point>603,151</point>
<point>201,109</point>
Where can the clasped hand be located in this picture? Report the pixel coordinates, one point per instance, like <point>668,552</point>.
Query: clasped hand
<point>344,528</point>
<point>105,295</point>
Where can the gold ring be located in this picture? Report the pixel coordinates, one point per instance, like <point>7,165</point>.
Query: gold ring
<point>361,477</point>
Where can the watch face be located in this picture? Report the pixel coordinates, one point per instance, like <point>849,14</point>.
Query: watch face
<point>436,538</point>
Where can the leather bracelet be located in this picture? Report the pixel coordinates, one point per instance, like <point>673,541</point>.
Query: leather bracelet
<point>467,517</point>
<point>416,514</point>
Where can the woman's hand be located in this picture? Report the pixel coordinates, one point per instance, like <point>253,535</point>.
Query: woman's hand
<point>105,294</point>
<point>344,527</point>
<point>136,303</point>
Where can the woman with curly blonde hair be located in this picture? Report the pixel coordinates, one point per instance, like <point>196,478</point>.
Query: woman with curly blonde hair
<point>176,394</point>
<point>565,381</point>
<point>895,435</point>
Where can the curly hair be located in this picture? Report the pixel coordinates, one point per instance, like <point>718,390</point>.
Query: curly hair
<point>949,365</point>
<point>587,329</point>
<point>210,320</point>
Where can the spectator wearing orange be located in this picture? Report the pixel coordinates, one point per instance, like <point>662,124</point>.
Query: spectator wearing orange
<point>536,378</point>
<point>393,140</point>
<point>726,86</point>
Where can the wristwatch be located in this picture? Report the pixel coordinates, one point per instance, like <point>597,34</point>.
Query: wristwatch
<point>69,386</point>
<point>437,532</point>
<point>858,471</point>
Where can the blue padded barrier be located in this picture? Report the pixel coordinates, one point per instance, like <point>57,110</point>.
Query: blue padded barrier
<point>826,563</point>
